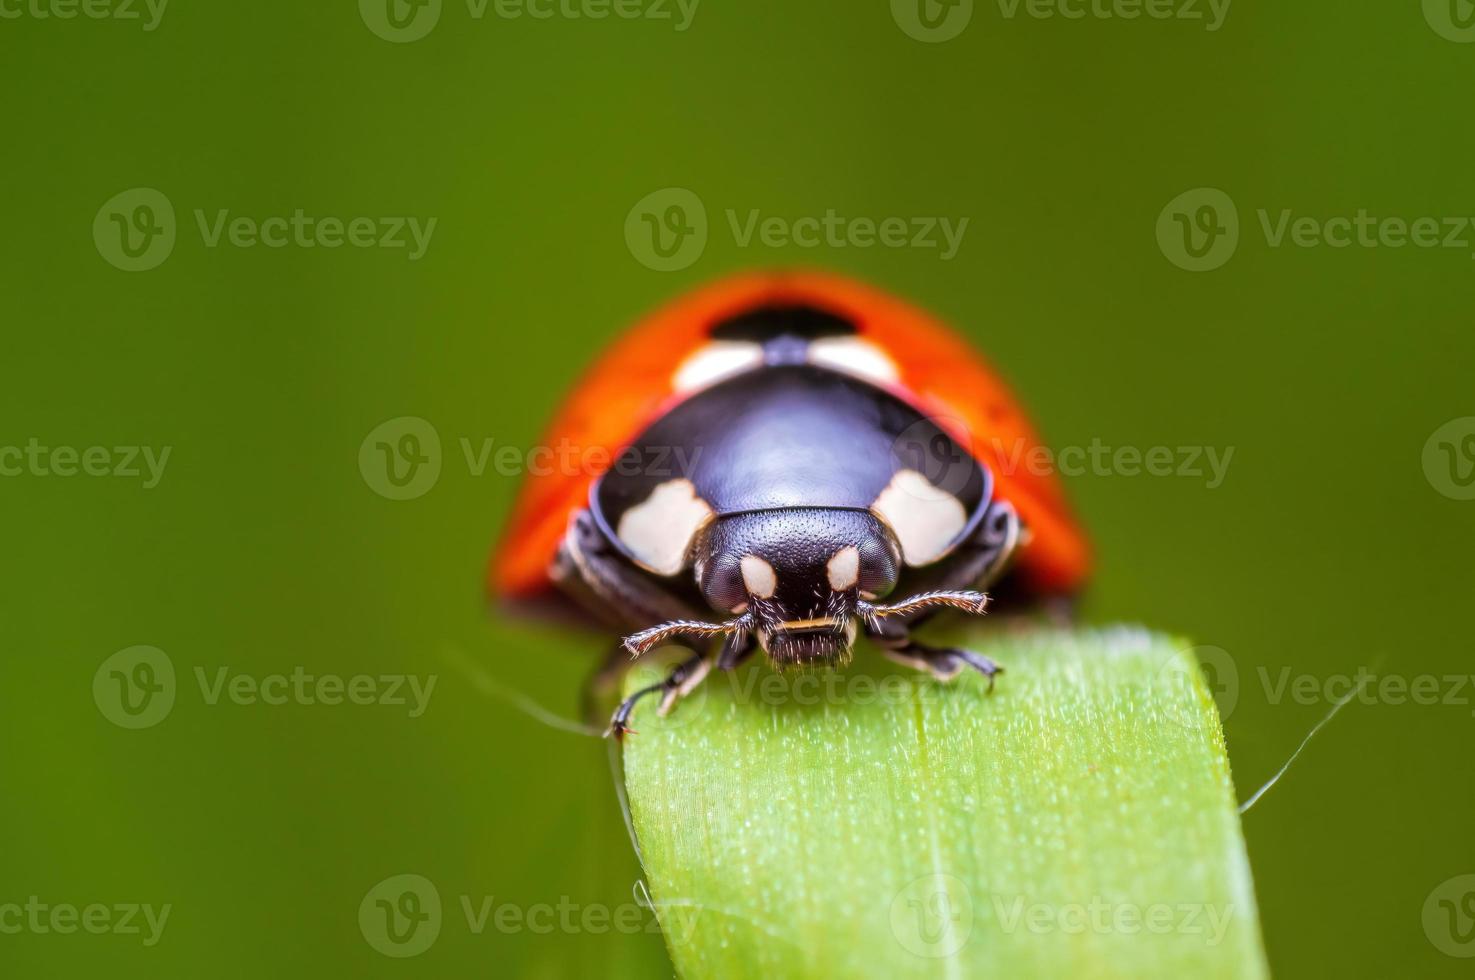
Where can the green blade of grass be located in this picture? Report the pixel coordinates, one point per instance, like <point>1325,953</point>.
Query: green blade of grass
<point>1080,821</point>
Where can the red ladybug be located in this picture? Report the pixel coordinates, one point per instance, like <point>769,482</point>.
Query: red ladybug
<point>793,459</point>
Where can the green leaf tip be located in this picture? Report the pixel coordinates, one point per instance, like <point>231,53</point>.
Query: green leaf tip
<point>871,822</point>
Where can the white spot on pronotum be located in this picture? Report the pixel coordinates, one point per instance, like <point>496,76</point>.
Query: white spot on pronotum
<point>855,356</point>
<point>925,518</point>
<point>844,568</point>
<point>759,576</point>
<point>659,530</point>
<point>715,361</point>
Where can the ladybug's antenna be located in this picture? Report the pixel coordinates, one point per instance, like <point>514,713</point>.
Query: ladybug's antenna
<point>973,603</point>
<point>648,639</point>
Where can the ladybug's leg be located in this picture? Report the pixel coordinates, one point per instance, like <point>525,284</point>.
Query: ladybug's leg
<point>683,678</point>
<point>737,648</point>
<point>602,682</point>
<point>943,663</point>
<point>979,562</point>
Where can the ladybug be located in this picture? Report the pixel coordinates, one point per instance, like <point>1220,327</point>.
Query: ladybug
<point>790,460</point>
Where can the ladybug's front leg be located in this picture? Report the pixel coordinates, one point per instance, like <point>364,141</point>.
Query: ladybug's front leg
<point>943,663</point>
<point>683,678</point>
<point>737,648</point>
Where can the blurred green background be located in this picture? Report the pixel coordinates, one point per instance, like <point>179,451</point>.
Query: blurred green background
<point>262,548</point>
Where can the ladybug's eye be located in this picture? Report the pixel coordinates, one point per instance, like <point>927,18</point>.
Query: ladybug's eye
<point>721,581</point>
<point>879,567</point>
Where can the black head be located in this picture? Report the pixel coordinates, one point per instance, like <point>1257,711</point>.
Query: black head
<point>797,575</point>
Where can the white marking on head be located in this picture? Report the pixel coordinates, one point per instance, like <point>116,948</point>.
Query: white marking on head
<point>759,576</point>
<point>818,622</point>
<point>659,530</point>
<point>844,568</point>
<point>854,356</point>
<point>925,518</point>
<point>717,360</point>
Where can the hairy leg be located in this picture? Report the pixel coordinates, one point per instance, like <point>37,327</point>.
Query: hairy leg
<point>682,678</point>
<point>943,663</point>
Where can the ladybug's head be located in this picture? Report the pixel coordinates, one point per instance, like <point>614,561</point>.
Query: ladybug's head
<point>798,575</point>
<point>800,581</point>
